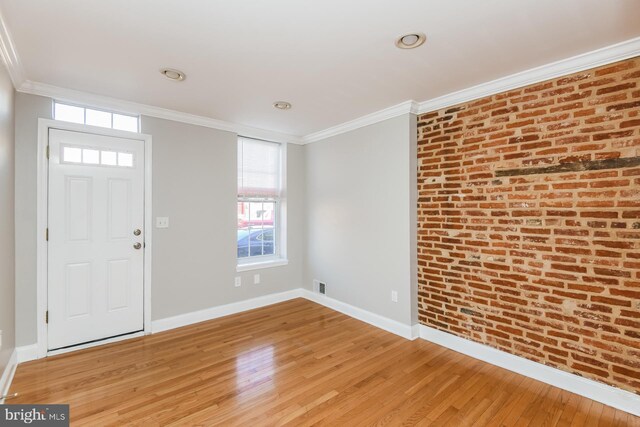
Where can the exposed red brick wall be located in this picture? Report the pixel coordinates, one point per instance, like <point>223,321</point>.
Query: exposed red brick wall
<point>529,222</point>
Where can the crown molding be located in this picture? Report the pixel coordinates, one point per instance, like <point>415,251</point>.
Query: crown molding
<point>100,101</point>
<point>9,55</point>
<point>406,107</point>
<point>606,55</point>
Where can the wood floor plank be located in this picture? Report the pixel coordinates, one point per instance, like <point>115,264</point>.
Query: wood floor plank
<point>294,364</point>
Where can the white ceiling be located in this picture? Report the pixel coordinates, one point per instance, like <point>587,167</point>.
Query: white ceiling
<point>334,60</point>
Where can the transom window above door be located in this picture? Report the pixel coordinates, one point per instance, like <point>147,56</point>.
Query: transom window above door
<point>94,117</point>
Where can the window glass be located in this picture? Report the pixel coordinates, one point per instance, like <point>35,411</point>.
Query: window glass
<point>69,113</point>
<point>123,122</point>
<point>125,159</point>
<point>109,158</point>
<point>91,157</point>
<point>71,155</point>
<point>98,118</point>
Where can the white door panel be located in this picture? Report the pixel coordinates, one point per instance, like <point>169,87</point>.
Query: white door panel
<point>96,201</point>
<point>78,195</point>
<point>118,284</point>
<point>119,220</point>
<point>77,290</point>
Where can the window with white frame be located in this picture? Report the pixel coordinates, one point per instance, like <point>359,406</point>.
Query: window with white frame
<point>260,201</point>
<point>93,117</point>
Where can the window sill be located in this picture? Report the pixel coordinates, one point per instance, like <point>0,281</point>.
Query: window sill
<point>263,264</point>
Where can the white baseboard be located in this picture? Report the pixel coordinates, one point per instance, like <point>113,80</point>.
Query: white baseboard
<point>415,331</point>
<point>7,374</point>
<point>410,332</point>
<point>27,353</point>
<point>222,310</point>
<point>389,325</point>
<point>608,395</point>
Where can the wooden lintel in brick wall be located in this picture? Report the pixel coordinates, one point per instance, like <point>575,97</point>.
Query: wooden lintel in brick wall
<point>593,165</point>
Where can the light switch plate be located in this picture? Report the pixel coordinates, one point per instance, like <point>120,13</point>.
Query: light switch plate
<point>256,279</point>
<point>238,281</point>
<point>162,222</point>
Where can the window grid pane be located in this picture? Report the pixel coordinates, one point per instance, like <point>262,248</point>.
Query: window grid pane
<point>91,157</point>
<point>98,118</point>
<point>109,158</point>
<point>69,113</point>
<point>71,155</point>
<point>257,226</point>
<point>125,159</point>
<point>122,122</point>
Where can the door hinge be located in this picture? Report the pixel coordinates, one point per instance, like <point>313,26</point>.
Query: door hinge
<point>47,151</point>
<point>46,317</point>
<point>46,234</point>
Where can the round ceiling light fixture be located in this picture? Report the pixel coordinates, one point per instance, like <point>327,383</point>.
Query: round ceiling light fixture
<point>411,41</point>
<point>282,105</point>
<point>173,74</point>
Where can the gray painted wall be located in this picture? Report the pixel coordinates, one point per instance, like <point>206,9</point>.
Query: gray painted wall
<point>7,230</point>
<point>194,184</point>
<point>28,109</point>
<point>413,214</point>
<point>361,217</point>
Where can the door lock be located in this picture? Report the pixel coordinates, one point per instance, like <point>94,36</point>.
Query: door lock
<point>137,245</point>
<point>136,232</point>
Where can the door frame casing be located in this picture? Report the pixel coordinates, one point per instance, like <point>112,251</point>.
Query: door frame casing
<point>42,209</point>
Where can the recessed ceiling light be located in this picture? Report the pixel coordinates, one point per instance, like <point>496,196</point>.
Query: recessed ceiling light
<point>282,105</point>
<point>175,75</point>
<point>411,41</point>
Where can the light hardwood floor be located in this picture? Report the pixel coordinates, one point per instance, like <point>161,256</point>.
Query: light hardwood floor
<point>295,363</point>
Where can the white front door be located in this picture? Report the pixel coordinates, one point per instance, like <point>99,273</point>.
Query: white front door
<point>96,237</point>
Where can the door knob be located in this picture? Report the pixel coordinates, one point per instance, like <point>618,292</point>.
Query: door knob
<point>136,232</point>
<point>137,246</point>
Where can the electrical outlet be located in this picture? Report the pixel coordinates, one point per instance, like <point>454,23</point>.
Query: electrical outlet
<point>394,296</point>
<point>238,282</point>
<point>256,279</point>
